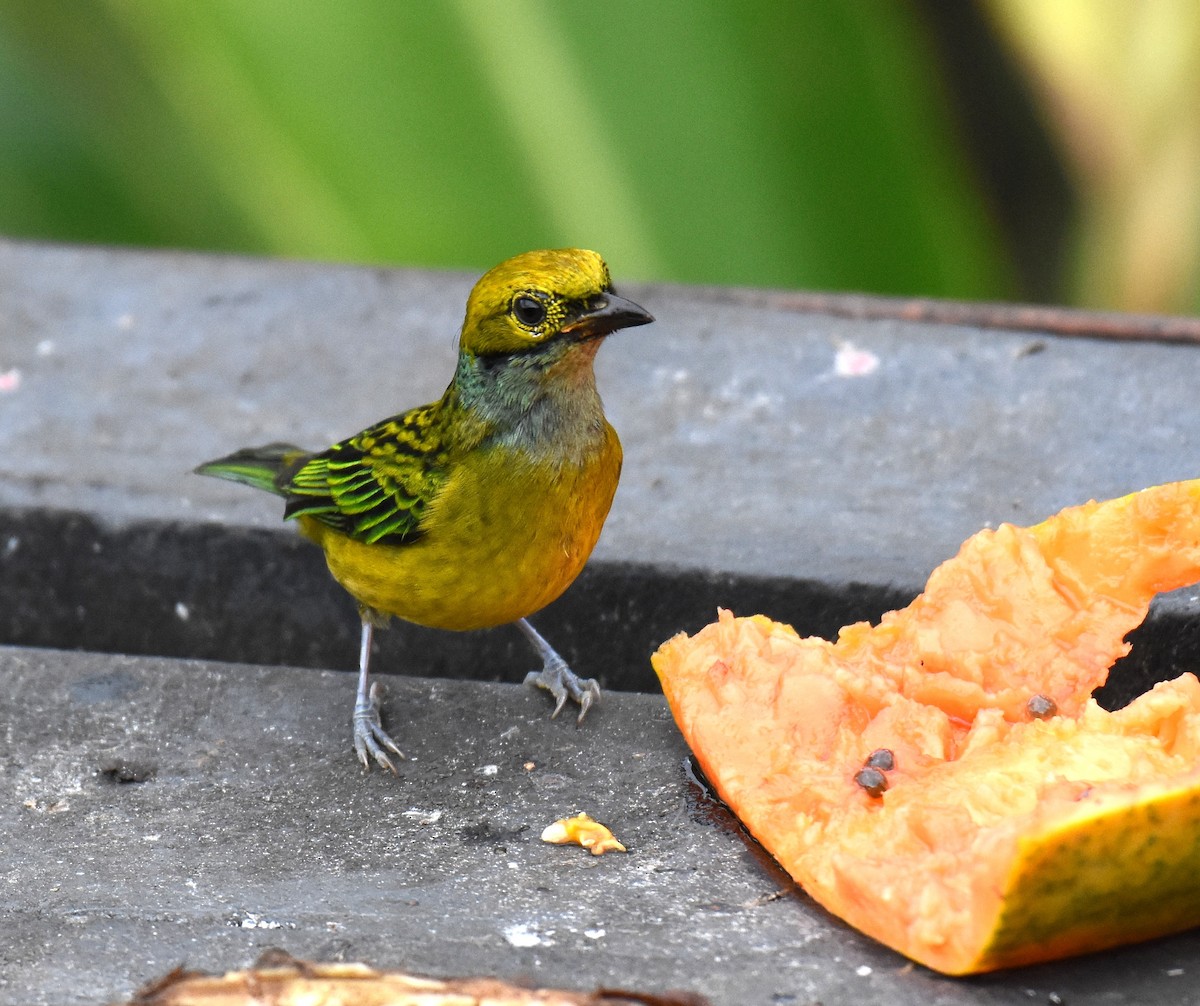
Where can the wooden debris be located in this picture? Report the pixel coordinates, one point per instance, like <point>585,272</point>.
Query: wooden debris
<point>281,980</point>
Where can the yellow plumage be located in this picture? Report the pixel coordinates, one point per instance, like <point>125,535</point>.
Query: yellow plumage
<point>504,537</point>
<point>480,508</point>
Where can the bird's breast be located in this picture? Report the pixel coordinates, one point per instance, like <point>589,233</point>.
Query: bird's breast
<point>508,533</point>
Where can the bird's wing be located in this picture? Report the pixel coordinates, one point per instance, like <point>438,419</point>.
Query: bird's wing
<point>376,486</point>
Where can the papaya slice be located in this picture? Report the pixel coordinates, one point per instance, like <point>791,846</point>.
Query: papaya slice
<point>943,780</point>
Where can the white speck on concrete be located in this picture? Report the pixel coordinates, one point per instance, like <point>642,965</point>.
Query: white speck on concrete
<point>254,921</point>
<point>522,934</point>
<point>851,361</point>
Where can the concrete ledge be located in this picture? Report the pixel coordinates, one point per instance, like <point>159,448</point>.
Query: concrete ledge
<point>756,476</point>
<point>746,452</point>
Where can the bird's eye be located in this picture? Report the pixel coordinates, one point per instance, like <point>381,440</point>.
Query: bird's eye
<point>529,311</point>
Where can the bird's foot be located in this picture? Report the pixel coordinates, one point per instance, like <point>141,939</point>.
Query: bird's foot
<point>370,738</point>
<point>563,683</point>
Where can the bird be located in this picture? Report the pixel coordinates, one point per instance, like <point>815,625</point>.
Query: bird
<point>478,509</point>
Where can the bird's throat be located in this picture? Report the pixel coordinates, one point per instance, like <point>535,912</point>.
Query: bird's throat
<point>542,404</point>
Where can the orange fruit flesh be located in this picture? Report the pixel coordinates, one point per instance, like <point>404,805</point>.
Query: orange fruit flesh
<point>1001,839</point>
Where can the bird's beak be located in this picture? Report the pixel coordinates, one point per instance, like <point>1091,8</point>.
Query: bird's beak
<point>606,313</point>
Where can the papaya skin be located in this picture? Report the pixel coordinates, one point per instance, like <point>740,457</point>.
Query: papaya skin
<point>1132,870</point>
<point>1007,834</point>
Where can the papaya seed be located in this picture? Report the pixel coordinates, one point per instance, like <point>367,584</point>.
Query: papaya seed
<point>881,758</point>
<point>872,780</point>
<point>1041,707</point>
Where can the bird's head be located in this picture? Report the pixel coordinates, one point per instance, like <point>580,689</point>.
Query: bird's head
<point>544,303</point>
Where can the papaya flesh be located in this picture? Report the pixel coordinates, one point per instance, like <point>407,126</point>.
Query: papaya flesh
<point>1018,821</point>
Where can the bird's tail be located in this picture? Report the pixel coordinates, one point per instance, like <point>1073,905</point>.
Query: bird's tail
<point>268,468</point>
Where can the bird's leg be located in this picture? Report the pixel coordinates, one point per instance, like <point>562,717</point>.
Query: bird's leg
<point>557,678</point>
<point>368,730</point>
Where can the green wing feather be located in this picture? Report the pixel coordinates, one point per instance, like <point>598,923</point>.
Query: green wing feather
<point>267,468</point>
<point>377,485</point>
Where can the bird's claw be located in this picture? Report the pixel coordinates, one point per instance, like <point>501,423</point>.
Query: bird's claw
<point>563,683</point>
<point>370,738</point>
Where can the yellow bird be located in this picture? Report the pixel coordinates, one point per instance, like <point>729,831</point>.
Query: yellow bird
<point>482,507</point>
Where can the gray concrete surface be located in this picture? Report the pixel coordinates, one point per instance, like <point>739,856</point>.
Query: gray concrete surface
<point>156,813</point>
<point>163,810</point>
<point>745,452</point>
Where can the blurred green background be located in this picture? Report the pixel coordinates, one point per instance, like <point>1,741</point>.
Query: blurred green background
<point>1044,150</point>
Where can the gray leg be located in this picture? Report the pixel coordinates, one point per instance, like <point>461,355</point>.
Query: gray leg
<point>368,730</point>
<point>557,678</point>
